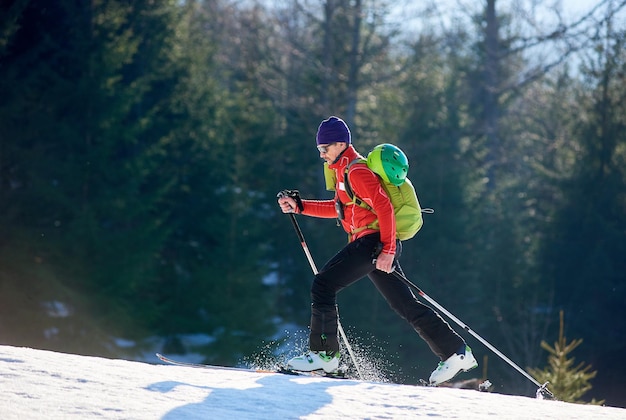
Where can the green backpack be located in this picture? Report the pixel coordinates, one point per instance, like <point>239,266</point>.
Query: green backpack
<point>391,165</point>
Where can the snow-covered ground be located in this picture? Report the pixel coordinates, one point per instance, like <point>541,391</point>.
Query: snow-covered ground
<point>37,384</point>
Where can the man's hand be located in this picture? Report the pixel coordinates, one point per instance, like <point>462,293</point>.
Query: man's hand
<point>290,201</point>
<point>288,204</point>
<point>384,262</point>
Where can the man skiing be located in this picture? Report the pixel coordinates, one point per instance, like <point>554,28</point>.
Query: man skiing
<point>372,251</point>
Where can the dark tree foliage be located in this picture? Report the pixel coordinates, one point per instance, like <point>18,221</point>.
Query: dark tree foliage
<point>583,253</point>
<point>119,189</point>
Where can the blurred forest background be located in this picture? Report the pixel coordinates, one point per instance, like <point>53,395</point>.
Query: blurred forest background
<point>142,144</point>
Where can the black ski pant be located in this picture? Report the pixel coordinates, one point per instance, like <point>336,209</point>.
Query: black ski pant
<point>349,265</point>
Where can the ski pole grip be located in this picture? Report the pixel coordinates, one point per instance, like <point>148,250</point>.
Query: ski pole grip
<point>293,194</point>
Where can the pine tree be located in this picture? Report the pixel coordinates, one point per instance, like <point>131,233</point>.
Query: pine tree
<point>567,382</point>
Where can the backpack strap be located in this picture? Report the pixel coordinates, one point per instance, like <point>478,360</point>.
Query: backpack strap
<point>356,201</point>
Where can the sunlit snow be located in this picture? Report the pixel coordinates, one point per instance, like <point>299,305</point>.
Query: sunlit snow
<point>36,384</point>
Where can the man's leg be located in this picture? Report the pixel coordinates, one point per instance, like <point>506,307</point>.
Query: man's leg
<point>349,265</point>
<point>433,329</point>
<point>455,355</point>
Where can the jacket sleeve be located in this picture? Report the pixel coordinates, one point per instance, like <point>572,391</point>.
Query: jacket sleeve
<point>368,188</point>
<point>319,208</point>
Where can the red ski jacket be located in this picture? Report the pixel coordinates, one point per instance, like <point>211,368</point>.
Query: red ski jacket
<point>367,187</point>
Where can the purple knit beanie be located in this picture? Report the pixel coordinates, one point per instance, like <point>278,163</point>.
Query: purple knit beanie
<point>333,130</point>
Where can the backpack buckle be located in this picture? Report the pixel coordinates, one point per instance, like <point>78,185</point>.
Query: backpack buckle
<point>339,209</point>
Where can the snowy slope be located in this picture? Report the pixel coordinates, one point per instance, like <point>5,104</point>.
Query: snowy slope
<point>36,384</point>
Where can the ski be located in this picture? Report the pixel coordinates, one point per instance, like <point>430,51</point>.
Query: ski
<point>320,373</point>
<point>280,369</point>
<point>206,366</point>
<point>475,384</point>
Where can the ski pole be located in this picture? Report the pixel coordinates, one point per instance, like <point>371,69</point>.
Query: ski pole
<point>342,333</point>
<point>542,388</point>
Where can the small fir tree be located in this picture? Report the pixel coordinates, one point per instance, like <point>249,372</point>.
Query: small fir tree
<point>567,382</point>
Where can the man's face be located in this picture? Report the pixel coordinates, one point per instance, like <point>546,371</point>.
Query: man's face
<point>330,152</point>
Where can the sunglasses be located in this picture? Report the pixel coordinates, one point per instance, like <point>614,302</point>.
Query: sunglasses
<point>323,148</point>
